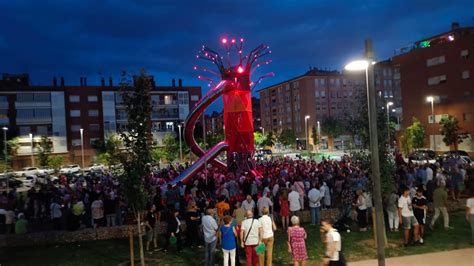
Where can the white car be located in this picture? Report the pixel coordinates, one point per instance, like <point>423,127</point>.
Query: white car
<point>95,168</point>
<point>29,171</point>
<point>47,171</point>
<point>70,169</point>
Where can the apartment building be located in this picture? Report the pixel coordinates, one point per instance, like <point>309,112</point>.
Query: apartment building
<point>67,113</point>
<point>439,66</point>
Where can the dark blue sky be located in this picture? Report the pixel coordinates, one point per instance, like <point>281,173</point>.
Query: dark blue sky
<point>86,37</point>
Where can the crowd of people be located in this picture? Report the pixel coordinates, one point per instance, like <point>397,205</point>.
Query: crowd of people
<point>242,212</point>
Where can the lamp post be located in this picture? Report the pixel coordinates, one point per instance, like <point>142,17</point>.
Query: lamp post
<point>367,65</point>
<point>180,149</point>
<point>5,154</point>
<point>306,132</point>
<point>388,122</point>
<point>319,136</point>
<point>82,147</point>
<point>263,130</point>
<point>433,118</point>
<point>32,151</point>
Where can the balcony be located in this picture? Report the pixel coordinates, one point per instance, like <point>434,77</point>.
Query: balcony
<point>155,104</point>
<point>33,120</point>
<point>32,104</point>
<point>164,115</point>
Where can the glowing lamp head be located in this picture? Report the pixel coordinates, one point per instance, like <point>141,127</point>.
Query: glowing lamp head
<point>451,38</point>
<point>430,99</point>
<point>240,69</point>
<point>233,40</point>
<point>357,65</point>
<point>224,40</point>
<point>389,103</point>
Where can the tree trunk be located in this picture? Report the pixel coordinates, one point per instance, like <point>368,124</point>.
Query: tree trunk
<point>132,252</point>
<point>140,239</point>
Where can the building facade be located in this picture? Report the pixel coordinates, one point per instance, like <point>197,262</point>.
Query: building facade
<point>440,67</point>
<point>74,117</point>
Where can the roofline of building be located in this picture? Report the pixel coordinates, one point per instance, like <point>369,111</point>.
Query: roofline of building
<point>309,73</point>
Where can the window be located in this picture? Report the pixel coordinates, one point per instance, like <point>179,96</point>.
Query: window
<point>287,87</point>
<point>435,61</point>
<point>42,130</point>
<point>93,113</point>
<point>4,101</point>
<point>316,94</point>
<point>75,128</point>
<point>183,98</point>
<point>322,81</point>
<point>168,99</point>
<point>437,80</point>
<point>75,113</point>
<point>44,113</point>
<point>74,98</point>
<point>25,113</point>
<point>323,94</point>
<point>92,141</point>
<point>194,97</point>
<point>92,99</point>
<point>24,131</point>
<point>467,117</point>
<point>76,142</point>
<point>464,54</point>
<point>94,127</point>
<point>465,74</point>
<point>25,97</point>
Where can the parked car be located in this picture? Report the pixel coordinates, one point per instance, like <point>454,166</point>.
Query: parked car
<point>12,182</point>
<point>28,171</point>
<point>47,171</point>
<point>463,154</point>
<point>422,157</point>
<point>95,167</point>
<point>70,169</point>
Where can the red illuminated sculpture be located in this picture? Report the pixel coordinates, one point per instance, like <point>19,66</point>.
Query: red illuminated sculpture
<point>235,87</point>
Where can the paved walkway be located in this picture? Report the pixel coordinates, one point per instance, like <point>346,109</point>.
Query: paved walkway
<point>460,257</point>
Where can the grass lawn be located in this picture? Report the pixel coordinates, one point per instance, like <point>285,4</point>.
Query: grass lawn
<point>356,247</point>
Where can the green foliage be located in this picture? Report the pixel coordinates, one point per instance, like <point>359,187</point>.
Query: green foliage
<point>287,137</point>
<point>136,140</point>
<point>13,145</point>
<point>269,140</point>
<point>258,139</point>
<point>55,162</point>
<point>314,135</point>
<point>450,130</point>
<point>214,139</point>
<point>417,132</point>
<point>171,147</point>
<point>332,127</point>
<point>44,150</point>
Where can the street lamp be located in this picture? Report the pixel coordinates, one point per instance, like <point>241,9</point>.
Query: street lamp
<point>388,122</point>
<point>82,147</point>
<point>32,151</point>
<point>433,118</point>
<point>180,149</point>
<point>5,153</point>
<point>319,136</point>
<point>306,131</point>
<point>367,65</point>
<point>263,131</point>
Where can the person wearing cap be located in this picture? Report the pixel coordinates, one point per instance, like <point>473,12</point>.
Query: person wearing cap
<point>440,204</point>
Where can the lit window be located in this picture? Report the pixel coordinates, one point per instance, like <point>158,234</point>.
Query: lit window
<point>435,61</point>
<point>465,74</point>
<point>194,97</point>
<point>76,142</point>
<point>465,54</point>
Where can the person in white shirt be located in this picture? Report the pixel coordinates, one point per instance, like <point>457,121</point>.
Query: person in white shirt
<point>361,206</point>
<point>470,215</point>
<point>294,199</point>
<point>334,254</point>
<point>429,173</point>
<point>248,204</point>
<point>407,218</point>
<point>251,234</point>
<point>209,227</point>
<point>268,226</point>
<point>314,197</point>
<point>300,188</point>
<point>263,202</point>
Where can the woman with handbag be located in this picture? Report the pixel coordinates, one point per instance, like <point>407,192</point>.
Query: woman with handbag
<point>227,235</point>
<point>296,242</point>
<point>173,232</point>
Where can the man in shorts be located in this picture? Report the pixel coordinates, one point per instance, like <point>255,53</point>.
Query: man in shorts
<point>407,218</point>
<point>420,206</point>
<point>150,223</point>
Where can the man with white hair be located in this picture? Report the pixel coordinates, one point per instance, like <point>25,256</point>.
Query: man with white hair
<point>263,202</point>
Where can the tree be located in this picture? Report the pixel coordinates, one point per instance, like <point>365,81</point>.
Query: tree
<point>332,127</point>
<point>450,130</point>
<point>170,148</point>
<point>55,162</point>
<point>269,140</point>
<point>287,137</point>
<point>137,142</point>
<point>258,138</point>
<point>44,150</point>
<point>314,135</point>
<point>12,146</point>
<point>417,132</point>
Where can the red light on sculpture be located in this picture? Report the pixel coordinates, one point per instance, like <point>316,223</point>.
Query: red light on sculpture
<point>233,40</point>
<point>240,69</point>
<point>224,40</point>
